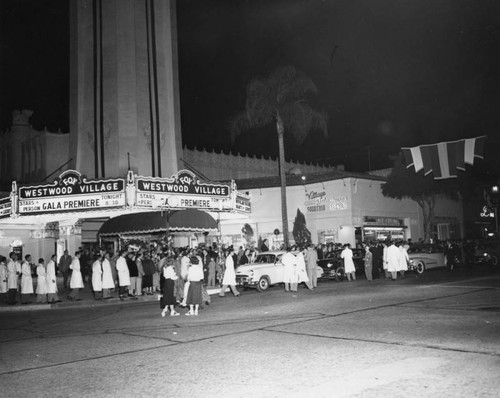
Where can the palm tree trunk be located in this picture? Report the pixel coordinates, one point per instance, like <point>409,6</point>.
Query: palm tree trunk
<point>281,145</point>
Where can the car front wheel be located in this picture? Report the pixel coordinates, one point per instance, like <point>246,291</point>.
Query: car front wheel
<point>420,268</point>
<point>263,284</point>
<point>339,274</point>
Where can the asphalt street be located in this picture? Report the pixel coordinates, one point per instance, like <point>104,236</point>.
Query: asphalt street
<point>436,335</point>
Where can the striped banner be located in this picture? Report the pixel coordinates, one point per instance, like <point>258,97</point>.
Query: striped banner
<point>444,159</point>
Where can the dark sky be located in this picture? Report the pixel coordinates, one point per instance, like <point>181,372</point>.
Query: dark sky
<point>405,72</point>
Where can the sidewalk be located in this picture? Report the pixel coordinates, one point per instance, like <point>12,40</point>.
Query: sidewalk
<point>87,300</point>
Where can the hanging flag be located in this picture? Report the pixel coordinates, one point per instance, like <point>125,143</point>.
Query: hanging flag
<point>444,159</point>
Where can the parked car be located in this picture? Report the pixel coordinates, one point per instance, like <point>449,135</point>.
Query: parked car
<point>333,265</point>
<point>424,257</point>
<point>487,252</point>
<point>264,272</point>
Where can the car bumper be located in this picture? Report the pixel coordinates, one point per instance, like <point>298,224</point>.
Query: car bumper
<point>245,281</point>
<point>329,273</point>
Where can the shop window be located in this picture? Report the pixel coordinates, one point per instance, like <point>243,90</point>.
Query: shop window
<point>328,236</point>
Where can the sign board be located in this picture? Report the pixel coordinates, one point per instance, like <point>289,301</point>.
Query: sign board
<point>182,191</point>
<point>383,221</point>
<point>5,207</point>
<point>487,212</point>
<point>318,201</point>
<point>72,192</point>
<point>243,203</point>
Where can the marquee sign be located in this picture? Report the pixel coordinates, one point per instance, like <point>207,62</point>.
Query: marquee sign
<point>72,192</point>
<point>243,203</point>
<point>385,221</point>
<point>5,207</point>
<point>182,191</point>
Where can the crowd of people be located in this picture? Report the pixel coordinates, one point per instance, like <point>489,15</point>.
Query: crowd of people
<point>16,280</point>
<point>388,259</point>
<point>181,275</point>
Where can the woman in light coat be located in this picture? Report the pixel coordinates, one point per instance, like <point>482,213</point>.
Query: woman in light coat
<point>76,282</point>
<point>229,278</point>
<point>168,297</point>
<point>108,282</point>
<point>41,284</point>
<point>26,280</point>
<point>97,278</point>
<point>195,277</point>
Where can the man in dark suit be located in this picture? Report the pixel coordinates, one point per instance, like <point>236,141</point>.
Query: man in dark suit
<point>64,263</point>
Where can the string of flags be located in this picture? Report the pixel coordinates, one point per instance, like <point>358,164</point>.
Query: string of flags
<point>444,159</point>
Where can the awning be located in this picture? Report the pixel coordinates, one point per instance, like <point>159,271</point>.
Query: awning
<point>189,220</point>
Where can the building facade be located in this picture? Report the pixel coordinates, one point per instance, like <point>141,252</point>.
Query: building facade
<point>339,207</point>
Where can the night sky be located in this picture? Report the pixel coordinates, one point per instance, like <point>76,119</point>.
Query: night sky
<point>403,73</point>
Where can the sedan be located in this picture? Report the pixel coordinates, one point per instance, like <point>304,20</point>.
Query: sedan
<point>423,257</point>
<point>333,265</point>
<point>264,272</point>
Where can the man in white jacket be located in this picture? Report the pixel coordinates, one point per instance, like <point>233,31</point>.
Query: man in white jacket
<point>393,260</point>
<point>13,272</point>
<point>290,277</point>
<point>51,280</point>
<point>26,280</point>
<point>123,274</point>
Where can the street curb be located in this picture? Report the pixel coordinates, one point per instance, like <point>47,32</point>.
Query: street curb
<point>88,303</point>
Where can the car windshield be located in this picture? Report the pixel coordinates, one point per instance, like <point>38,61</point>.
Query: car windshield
<point>425,249</point>
<point>265,258</point>
<point>333,254</point>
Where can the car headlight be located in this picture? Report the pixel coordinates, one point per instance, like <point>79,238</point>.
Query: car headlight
<point>329,265</point>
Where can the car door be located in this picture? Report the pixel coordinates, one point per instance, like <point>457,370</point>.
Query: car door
<point>434,258</point>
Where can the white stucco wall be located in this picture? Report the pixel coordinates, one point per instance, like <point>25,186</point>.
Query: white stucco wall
<point>336,206</point>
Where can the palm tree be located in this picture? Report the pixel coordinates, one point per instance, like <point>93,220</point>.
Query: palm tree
<point>280,99</point>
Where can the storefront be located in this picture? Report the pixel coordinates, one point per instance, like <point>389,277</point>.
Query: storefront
<point>73,212</point>
<point>382,229</point>
<point>339,207</point>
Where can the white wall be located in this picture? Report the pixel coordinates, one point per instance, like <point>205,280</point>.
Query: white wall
<point>346,202</point>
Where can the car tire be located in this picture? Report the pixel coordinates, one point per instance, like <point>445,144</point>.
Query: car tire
<point>420,268</point>
<point>263,284</point>
<point>339,274</point>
